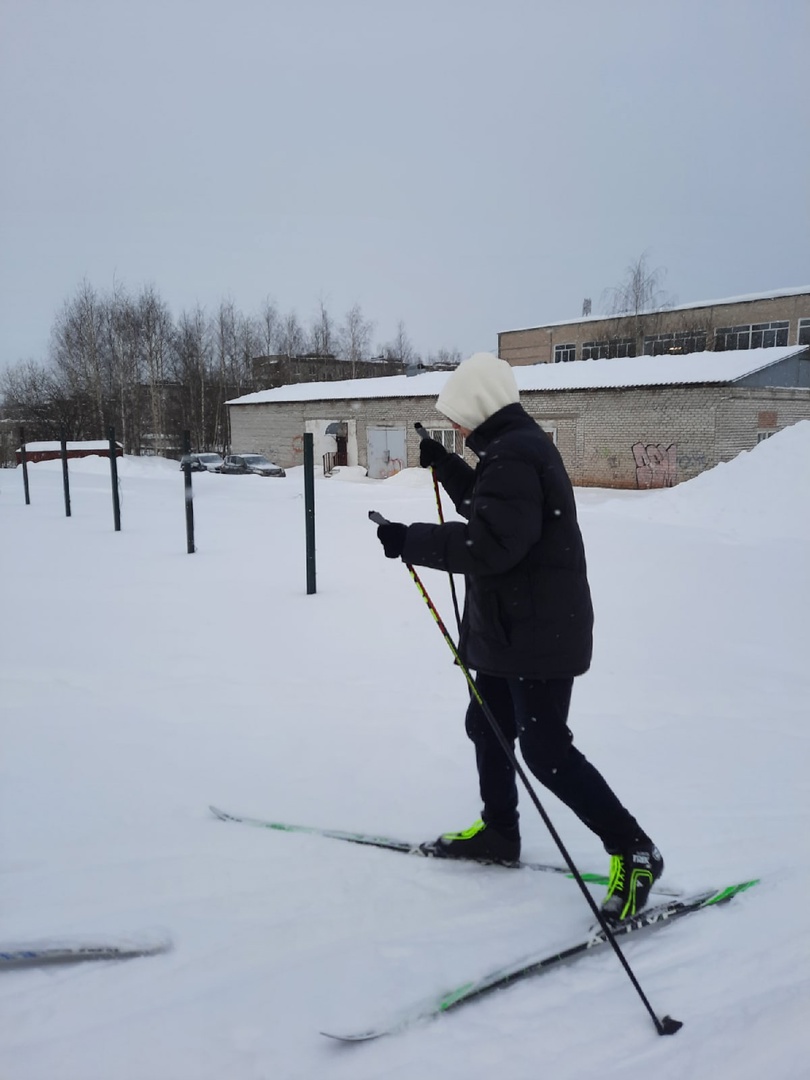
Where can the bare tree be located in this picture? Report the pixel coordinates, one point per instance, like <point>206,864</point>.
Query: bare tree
<point>78,349</point>
<point>292,340</point>
<point>249,346</point>
<point>196,405</point>
<point>155,330</point>
<point>400,348</point>
<point>355,336</point>
<point>639,291</point>
<point>270,327</point>
<point>122,332</point>
<point>322,335</point>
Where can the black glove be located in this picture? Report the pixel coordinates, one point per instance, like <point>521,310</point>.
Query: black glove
<point>392,537</point>
<point>430,452</point>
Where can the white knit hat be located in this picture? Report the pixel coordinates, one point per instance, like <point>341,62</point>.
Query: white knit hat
<point>479,387</point>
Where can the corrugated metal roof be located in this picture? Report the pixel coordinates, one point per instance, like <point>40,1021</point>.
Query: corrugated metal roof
<point>705,367</point>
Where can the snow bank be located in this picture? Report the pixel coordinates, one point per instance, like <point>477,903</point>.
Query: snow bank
<point>760,494</point>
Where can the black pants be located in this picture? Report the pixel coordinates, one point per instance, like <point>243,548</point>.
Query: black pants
<point>535,712</point>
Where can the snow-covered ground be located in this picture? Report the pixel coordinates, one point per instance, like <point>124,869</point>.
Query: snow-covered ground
<point>138,684</point>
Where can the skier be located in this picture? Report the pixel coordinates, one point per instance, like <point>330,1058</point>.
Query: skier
<point>527,623</point>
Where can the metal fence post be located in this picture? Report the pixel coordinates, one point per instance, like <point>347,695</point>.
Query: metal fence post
<point>24,462</point>
<point>114,476</point>
<point>309,508</point>
<point>189,493</point>
<point>65,479</point>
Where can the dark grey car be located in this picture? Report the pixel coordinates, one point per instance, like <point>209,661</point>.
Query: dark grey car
<point>237,464</point>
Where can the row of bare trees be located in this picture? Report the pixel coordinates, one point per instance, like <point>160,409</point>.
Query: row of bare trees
<point>122,360</point>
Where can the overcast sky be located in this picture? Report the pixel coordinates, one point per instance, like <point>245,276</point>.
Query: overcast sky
<point>467,166</point>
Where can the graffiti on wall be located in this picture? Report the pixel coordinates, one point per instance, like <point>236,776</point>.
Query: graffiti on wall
<point>656,466</point>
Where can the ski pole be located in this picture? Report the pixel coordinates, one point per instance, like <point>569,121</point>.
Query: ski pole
<point>665,1026</point>
<point>424,435</point>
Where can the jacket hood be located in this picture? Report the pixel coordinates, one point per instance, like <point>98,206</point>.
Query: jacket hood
<point>479,387</point>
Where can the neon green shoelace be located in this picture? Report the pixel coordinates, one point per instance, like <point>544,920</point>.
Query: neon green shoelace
<point>616,879</point>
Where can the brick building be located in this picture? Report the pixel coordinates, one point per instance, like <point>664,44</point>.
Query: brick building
<point>627,422</point>
<point>280,369</point>
<point>763,320</point>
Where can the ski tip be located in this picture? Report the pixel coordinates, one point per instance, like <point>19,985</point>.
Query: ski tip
<point>732,890</point>
<point>364,1036</point>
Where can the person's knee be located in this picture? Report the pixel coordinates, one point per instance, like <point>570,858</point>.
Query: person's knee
<point>476,724</point>
<point>551,760</point>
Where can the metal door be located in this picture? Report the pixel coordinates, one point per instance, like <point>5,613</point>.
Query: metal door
<point>386,451</point>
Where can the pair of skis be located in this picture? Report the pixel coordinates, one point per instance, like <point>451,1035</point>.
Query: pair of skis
<point>405,847</point>
<point>653,917</point>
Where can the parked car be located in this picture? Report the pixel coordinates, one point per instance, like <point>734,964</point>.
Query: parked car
<point>205,462</point>
<point>251,463</point>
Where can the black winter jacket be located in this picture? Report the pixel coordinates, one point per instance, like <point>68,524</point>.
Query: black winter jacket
<point>527,609</point>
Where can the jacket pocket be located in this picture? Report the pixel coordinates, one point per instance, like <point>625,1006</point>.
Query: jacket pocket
<point>486,619</point>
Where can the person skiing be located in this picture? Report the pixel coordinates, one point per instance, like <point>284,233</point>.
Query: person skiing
<point>527,623</point>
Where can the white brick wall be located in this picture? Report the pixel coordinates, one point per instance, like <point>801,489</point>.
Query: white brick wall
<point>608,438</point>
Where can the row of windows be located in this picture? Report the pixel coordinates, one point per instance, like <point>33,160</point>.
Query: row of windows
<point>750,336</point>
<point>686,341</point>
<point>604,350</point>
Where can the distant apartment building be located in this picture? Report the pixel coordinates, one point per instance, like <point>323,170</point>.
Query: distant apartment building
<point>757,321</point>
<point>282,370</point>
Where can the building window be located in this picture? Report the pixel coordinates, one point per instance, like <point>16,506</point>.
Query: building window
<point>766,335</point>
<point>804,332</point>
<point>564,353</point>
<point>756,336</point>
<point>550,430</point>
<point>732,337</point>
<point>607,350</point>
<point>450,439</point>
<point>763,435</point>
<point>685,341</point>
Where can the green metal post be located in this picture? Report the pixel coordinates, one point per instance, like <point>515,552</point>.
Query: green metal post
<point>114,479</point>
<point>309,508</point>
<point>188,492</point>
<point>24,463</point>
<point>65,479</point>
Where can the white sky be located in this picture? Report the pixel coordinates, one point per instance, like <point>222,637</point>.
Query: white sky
<point>465,166</point>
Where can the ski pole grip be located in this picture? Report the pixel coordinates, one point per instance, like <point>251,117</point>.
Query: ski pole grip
<point>421,431</point>
<point>377,518</point>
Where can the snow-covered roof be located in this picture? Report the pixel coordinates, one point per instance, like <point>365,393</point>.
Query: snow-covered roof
<point>747,298</point>
<point>704,367</point>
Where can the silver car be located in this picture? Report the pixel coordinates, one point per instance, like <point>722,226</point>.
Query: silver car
<point>204,462</point>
